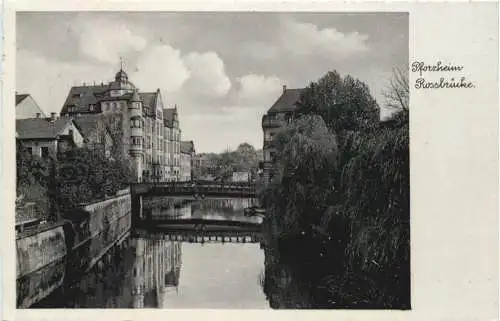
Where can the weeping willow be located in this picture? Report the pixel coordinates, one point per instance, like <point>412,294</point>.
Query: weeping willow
<point>357,196</point>
<point>376,190</point>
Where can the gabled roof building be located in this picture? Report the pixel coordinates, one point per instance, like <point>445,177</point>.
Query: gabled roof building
<point>277,115</point>
<point>137,121</point>
<point>27,107</point>
<point>47,137</point>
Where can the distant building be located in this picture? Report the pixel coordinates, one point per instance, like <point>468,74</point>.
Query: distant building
<point>44,137</point>
<point>272,121</point>
<point>26,107</point>
<point>202,165</point>
<point>172,144</point>
<point>95,132</point>
<point>148,133</point>
<point>241,177</point>
<point>187,153</point>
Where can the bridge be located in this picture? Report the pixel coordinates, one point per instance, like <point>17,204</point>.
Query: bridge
<point>194,189</point>
<point>199,230</point>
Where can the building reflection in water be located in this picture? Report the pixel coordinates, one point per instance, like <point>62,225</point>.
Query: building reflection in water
<point>156,270</point>
<point>210,208</point>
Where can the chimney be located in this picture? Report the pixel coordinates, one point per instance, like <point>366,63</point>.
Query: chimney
<point>53,116</point>
<point>284,88</point>
<point>38,115</point>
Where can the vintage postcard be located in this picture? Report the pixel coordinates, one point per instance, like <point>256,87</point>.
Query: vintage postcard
<point>219,160</point>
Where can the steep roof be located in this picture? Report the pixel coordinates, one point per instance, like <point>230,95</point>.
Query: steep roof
<point>148,99</point>
<point>168,116</point>
<point>89,123</point>
<point>81,97</point>
<point>287,100</point>
<point>40,128</point>
<point>187,147</point>
<point>20,98</point>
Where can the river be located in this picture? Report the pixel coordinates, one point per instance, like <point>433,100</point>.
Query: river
<point>158,273</point>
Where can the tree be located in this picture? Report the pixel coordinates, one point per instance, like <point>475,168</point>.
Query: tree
<point>30,169</point>
<point>307,160</point>
<point>345,103</point>
<point>84,175</point>
<point>344,174</point>
<point>397,93</point>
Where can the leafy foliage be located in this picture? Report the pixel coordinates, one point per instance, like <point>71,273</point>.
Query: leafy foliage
<point>84,175</point>
<point>29,169</point>
<point>307,158</point>
<point>222,166</point>
<point>343,185</point>
<point>344,103</point>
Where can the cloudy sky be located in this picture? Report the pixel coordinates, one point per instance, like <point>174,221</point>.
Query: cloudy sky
<point>223,70</point>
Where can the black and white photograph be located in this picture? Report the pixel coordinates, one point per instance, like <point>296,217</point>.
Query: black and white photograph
<point>212,160</point>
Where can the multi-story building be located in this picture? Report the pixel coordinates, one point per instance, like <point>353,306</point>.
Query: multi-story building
<point>138,122</point>
<point>172,142</point>
<point>187,153</point>
<point>279,113</point>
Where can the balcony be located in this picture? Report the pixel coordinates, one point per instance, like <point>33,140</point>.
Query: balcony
<point>271,121</point>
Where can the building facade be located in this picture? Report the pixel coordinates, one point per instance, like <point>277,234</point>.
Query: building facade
<point>26,107</point>
<point>243,177</point>
<point>272,122</point>
<point>187,154</point>
<point>172,142</point>
<point>47,137</point>
<point>96,135</point>
<point>139,123</point>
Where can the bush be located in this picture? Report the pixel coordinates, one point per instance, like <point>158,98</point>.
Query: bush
<point>84,176</point>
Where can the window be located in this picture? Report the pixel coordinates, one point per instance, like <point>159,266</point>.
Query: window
<point>137,141</point>
<point>45,152</point>
<point>135,123</point>
<point>91,107</point>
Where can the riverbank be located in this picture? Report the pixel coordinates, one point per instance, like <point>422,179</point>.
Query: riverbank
<point>53,252</point>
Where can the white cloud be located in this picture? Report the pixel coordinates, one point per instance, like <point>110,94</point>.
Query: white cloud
<point>58,77</point>
<point>106,40</point>
<point>308,39</point>
<point>208,75</point>
<point>258,90</point>
<point>160,67</point>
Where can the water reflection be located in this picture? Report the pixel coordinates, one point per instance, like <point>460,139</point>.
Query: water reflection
<point>156,270</point>
<point>212,208</point>
<point>144,272</point>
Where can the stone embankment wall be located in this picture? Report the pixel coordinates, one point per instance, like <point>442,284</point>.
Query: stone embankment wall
<point>41,257</point>
<point>56,253</point>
